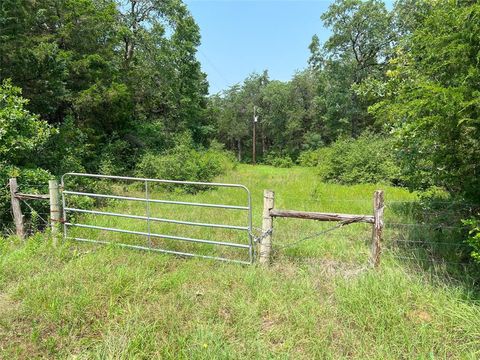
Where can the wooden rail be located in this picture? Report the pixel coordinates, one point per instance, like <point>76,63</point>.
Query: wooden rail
<point>269,213</point>
<point>22,196</point>
<point>322,216</point>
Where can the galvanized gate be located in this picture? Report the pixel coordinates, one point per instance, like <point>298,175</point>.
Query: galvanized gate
<point>149,218</point>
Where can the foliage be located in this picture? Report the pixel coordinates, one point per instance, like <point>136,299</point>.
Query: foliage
<point>313,158</point>
<point>21,133</point>
<point>368,159</point>
<point>276,160</point>
<point>321,103</point>
<point>109,68</point>
<point>474,237</point>
<point>432,101</point>
<point>183,162</point>
<point>22,137</point>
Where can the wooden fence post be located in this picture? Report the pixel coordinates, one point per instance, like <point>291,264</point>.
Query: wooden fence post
<point>16,209</point>
<point>378,206</point>
<point>54,209</point>
<point>267,225</point>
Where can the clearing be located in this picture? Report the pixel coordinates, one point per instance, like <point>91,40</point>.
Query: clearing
<point>318,299</point>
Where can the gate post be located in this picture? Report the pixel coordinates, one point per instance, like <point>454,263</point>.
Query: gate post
<point>378,207</point>
<point>16,209</point>
<point>267,226</point>
<point>54,209</point>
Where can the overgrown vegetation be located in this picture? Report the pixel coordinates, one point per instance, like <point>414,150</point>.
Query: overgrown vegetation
<point>401,78</point>
<point>318,300</point>
<point>114,87</point>
<point>367,159</point>
<point>184,162</point>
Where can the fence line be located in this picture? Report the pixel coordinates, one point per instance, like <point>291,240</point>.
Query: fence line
<point>393,235</point>
<point>269,213</point>
<point>17,197</point>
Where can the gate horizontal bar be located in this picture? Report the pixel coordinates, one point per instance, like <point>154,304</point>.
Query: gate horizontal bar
<point>138,247</point>
<point>211,242</point>
<point>158,180</point>
<point>233,227</point>
<point>157,201</point>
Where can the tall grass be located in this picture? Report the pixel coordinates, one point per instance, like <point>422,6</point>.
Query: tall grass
<point>318,300</point>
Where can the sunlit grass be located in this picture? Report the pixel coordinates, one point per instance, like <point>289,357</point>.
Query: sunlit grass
<point>318,300</point>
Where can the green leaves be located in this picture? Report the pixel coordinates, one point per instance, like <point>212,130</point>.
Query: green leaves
<point>20,131</point>
<point>432,102</point>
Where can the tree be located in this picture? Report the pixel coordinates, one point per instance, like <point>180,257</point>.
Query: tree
<point>21,132</point>
<point>358,49</point>
<point>432,101</point>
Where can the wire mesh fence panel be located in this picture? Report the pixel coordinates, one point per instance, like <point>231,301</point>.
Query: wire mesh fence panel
<point>430,234</point>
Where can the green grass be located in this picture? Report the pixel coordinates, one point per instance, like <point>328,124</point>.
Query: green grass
<point>317,300</point>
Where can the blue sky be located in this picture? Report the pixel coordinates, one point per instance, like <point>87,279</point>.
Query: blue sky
<point>242,36</point>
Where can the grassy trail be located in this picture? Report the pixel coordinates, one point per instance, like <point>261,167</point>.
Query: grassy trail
<point>318,300</point>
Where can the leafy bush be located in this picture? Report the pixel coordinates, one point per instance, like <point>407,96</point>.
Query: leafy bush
<point>22,136</point>
<point>276,160</point>
<point>474,237</point>
<point>21,132</point>
<point>368,159</point>
<point>312,158</point>
<point>185,163</point>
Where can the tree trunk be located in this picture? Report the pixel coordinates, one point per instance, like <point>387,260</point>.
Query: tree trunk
<point>239,147</point>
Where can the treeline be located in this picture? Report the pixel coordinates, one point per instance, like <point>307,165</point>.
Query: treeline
<point>114,86</point>
<point>113,78</point>
<point>392,96</point>
<point>96,86</point>
<point>409,74</point>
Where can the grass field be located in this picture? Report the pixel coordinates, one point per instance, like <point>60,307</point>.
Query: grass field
<point>319,299</point>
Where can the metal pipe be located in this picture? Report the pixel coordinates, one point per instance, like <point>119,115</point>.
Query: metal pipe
<point>64,212</point>
<point>158,180</point>
<point>157,201</point>
<point>210,242</point>
<point>250,245</point>
<point>147,209</point>
<point>139,217</point>
<point>158,250</point>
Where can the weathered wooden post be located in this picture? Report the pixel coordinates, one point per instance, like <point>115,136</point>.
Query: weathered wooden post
<point>378,207</point>
<point>54,209</point>
<point>16,209</point>
<point>267,227</point>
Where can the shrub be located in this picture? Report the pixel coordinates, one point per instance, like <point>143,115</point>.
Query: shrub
<point>474,237</point>
<point>367,159</point>
<point>276,160</point>
<point>185,163</point>
<point>312,158</point>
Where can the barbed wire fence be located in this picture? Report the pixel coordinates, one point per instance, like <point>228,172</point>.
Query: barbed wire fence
<point>427,234</point>
<point>33,205</point>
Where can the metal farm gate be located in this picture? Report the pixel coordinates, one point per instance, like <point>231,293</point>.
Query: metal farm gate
<point>150,218</point>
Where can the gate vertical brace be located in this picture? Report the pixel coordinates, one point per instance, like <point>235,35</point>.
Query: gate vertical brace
<point>64,211</point>
<point>147,208</point>
<point>378,209</point>
<point>267,226</point>
<point>251,250</point>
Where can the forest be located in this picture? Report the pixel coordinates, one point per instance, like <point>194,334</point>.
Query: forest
<point>383,119</point>
<point>115,87</point>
